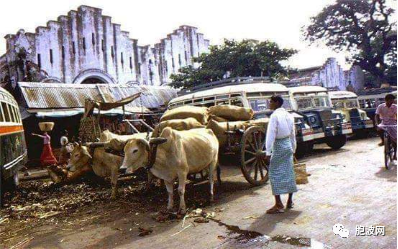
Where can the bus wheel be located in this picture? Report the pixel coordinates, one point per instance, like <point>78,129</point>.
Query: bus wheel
<point>337,142</point>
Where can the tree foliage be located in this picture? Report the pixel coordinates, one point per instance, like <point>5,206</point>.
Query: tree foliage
<point>234,59</point>
<point>364,28</point>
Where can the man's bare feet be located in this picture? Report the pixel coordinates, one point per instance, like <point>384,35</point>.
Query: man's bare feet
<point>381,144</point>
<point>290,205</point>
<point>277,209</point>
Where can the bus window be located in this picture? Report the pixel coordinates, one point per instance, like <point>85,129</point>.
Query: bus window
<point>7,117</point>
<point>17,115</point>
<point>338,104</point>
<point>362,103</point>
<point>1,114</point>
<point>236,102</point>
<point>351,104</point>
<point>304,103</point>
<point>222,97</point>
<point>259,105</point>
<point>236,95</point>
<point>12,114</point>
<point>222,102</point>
<point>208,104</point>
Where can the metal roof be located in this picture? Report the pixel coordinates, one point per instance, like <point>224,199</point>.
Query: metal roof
<point>67,96</point>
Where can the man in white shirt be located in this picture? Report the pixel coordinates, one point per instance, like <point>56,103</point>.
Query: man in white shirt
<point>280,147</point>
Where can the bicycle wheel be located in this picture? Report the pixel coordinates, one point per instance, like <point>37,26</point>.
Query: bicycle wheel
<point>387,151</point>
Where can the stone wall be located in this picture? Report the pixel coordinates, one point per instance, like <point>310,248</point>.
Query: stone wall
<point>86,47</point>
<point>355,78</point>
<point>331,75</point>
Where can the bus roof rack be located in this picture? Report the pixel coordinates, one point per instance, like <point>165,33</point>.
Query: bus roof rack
<point>375,91</point>
<point>226,82</point>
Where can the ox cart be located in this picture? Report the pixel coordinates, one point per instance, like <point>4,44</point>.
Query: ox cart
<point>249,146</point>
<point>247,143</point>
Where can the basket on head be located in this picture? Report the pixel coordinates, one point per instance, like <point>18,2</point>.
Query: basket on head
<point>46,126</point>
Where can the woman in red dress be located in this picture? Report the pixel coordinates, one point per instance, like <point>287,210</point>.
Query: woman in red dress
<point>47,157</point>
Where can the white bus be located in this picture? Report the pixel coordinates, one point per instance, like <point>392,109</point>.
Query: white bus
<point>12,141</point>
<point>348,104</point>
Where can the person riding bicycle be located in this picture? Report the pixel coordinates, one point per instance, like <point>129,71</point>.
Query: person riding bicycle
<point>386,115</point>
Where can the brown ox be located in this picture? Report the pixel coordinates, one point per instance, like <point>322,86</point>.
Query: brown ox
<point>102,163</point>
<point>85,159</point>
<point>175,155</point>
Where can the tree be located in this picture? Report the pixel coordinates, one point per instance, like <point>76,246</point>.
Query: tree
<point>364,28</point>
<point>234,59</point>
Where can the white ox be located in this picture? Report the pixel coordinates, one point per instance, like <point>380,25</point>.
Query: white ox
<point>175,154</point>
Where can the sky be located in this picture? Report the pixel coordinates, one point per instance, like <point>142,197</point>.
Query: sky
<point>150,20</point>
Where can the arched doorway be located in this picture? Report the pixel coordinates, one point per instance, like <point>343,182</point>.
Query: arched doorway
<point>93,76</point>
<point>93,80</point>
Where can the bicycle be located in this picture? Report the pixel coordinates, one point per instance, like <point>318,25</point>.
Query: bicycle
<point>389,150</point>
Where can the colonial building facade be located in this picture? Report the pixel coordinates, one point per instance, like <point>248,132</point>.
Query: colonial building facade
<point>330,75</point>
<point>86,47</point>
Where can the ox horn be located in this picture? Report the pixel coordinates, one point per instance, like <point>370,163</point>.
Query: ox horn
<point>157,140</point>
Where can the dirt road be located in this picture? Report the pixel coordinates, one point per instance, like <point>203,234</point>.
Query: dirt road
<point>349,187</point>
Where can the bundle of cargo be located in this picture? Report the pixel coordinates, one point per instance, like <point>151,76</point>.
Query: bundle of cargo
<point>220,129</point>
<point>263,122</point>
<point>199,113</point>
<point>177,124</point>
<point>46,126</point>
<point>231,112</point>
<point>217,118</point>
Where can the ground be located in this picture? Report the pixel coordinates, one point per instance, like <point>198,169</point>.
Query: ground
<point>349,186</point>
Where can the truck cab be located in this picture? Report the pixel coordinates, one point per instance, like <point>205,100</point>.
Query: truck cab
<point>347,104</point>
<point>314,104</point>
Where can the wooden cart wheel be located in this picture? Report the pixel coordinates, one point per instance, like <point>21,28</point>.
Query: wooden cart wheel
<point>253,164</point>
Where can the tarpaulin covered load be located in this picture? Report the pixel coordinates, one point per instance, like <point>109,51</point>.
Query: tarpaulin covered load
<point>183,112</point>
<point>231,112</point>
<point>177,124</point>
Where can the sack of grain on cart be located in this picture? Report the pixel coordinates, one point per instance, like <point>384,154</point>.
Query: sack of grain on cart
<point>231,113</point>
<point>177,124</point>
<point>201,114</point>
